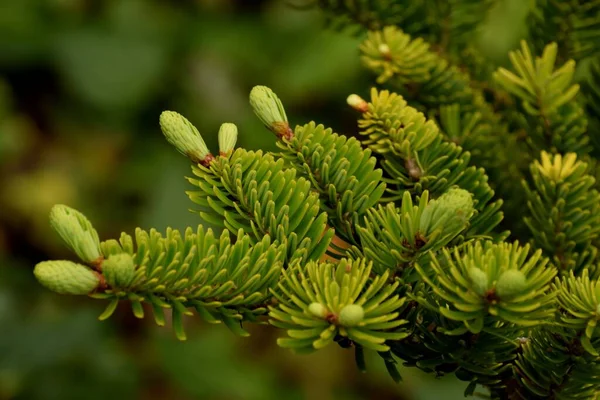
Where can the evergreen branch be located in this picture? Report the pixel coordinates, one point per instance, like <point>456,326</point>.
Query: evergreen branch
<point>221,280</point>
<point>417,72</point>
<point>341,172</point>
<point>485,284</point>
<point>374,14</point>
<point>591,94</point>
<point>555,122</point>
<point>564,211</point>
<point>465,17</point>
<point>579,301</point>
<point>429,81</point>
<point>253,192</point>
<point>553,365</point>
<point>572,23</point>
<point>321,301</point>
<point>441,346</point>
<point>416,158</point>
<point>395,239</point>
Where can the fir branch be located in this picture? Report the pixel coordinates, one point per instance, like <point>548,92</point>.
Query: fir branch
<point>591,95</point>
<point>375,14</point>
<point>253,192</point>
<point>416,158</point>
<point>417,72</point>
<point>342,173</point>
<point>564,211</point>
<point>397,238</point>
<point>553,365</point>
<point>428,80</point>
<point>554,122</point>
<point>572,23</point>
<point>318,302</point>
<point>221,280</point>
<point>485,284</point>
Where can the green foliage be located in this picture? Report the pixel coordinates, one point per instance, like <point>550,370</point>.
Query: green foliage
<point>417,158</point>
<point>397,242</point>
<point>555,122</point>
<point>564,211</point>
<point>340,170</point>
<point>579,300</point>
<point>411,67</point>
<point>591,90</point>
<point>221,280</point>
<point>372,14</point>
<point>320,303</point>
<point>566,372</point>
<point>253,192</point>
<point>483,285</point>
<point>574,23</point>
<point>395,239</point>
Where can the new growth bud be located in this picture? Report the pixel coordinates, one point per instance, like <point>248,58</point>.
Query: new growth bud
<point>76,231</point>
<point>510,283</point>
<point>270,111</point>
<point>385,51</point>
<point>318,310</point>
<point>66,277</point>
<point>358,103</point>
<point>119,270</point>
<point>185,137</point>
<point>558,167</point>
<point>479,280</point>
<point>227,137</point>
<point>351,315</point>
<point>453,208</point>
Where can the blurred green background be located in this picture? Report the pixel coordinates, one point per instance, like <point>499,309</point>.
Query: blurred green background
<point>82,83</point>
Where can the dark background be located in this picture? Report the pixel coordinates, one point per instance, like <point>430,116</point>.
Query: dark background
<point>82,84</point>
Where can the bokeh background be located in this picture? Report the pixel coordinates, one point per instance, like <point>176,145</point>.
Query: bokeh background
<point>82,83</point>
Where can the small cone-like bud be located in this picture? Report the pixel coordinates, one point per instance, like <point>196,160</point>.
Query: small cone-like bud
<point>270,111</point>
<point>385,51</point>
<point>511,283</point>
<point>558,167</point>
<point>479,280</point>
<point>76,231</point>
<point>185,137</point>
<point>318,310</point>
<point>351,315</point>
<point>227,138</point>
<point>66,277</point>
<point>119,270</point>
<point>452,209</point>
<point>358,103</point>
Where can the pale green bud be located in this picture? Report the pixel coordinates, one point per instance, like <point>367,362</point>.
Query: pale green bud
<point>351,315</point>
<point>479,280</point>
<point>318,310</point>
<point>76,231</point>
<point>119,270</point>
<point>270,111</point>
<point>227,137</point>
<point>452,210</point>
<point>358,103</point>
<point>384,50</point>
<point>511,283</point>
<point>66,277</point>
<point>184,136</point>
